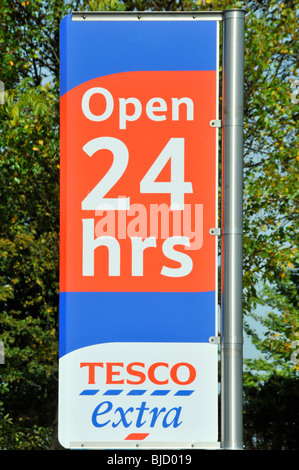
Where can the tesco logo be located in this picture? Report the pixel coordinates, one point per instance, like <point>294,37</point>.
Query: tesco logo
<point>136,373</point>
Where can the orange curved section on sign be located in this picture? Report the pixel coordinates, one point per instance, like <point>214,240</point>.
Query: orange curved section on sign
<point>141,110</point>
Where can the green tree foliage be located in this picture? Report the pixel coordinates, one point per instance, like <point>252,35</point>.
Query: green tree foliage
<point>280,342</point>
<point>29,197</point>
<point>29,249</point>
<point>271,172</point>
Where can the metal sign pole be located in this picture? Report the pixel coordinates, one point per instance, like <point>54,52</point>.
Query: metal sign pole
<point>232,242</point>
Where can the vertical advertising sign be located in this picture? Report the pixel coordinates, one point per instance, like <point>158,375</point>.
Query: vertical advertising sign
<point>138,264</point>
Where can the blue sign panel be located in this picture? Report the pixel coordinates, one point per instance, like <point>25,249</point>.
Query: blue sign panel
<point>138,277</point>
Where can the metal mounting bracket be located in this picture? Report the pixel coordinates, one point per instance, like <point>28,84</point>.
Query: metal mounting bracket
<point>215,231</point>
<point>216,123</point>
<point>214,340</point>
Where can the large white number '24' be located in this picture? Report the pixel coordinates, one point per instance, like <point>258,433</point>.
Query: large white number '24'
<point>176,187</point>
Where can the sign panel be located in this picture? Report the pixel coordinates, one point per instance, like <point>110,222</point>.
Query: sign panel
<point>138,268</point>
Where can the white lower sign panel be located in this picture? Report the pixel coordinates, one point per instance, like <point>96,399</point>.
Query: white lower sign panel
<point>139,395</point>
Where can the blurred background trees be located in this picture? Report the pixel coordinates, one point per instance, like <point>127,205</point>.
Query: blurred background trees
<point>29,204</point>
